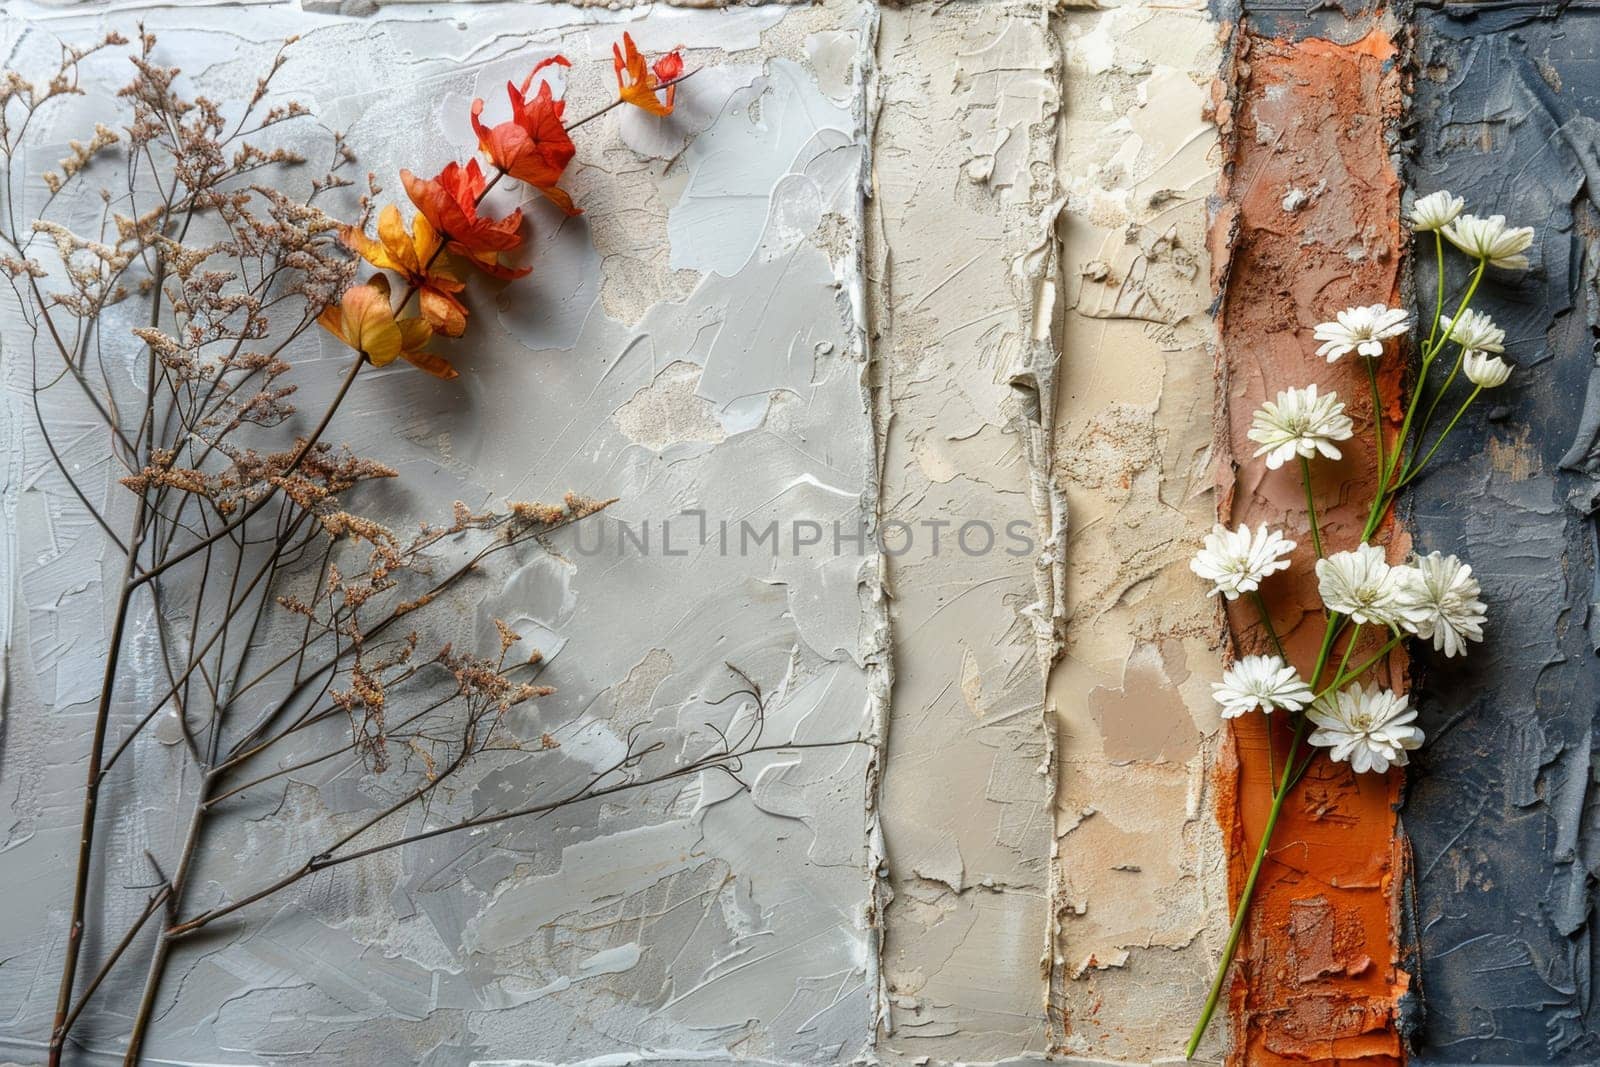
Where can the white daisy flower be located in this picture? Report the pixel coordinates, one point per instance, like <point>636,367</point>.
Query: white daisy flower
<point>1434,211</point>
<point>1370,728</point>
<point>1485,370</point>
<point>1490,238</point>
<point>1439,600</point>
<point>1363,329</point>
<point>1473,329</point>
<point>1263,682</point>
<point>1237,560</point>
<point>1300,423</point>
<point>1361,585</point>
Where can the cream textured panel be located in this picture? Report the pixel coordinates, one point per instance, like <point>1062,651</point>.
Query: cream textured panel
<point>1140,893</point>
<point>964,271</point>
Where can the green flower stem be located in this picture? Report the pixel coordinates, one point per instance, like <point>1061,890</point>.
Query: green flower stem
<point>1387,486</point>
<point>1422,427</point>
<point>1438,303</point>
<point>1272,754</point>
<point>1339,680</point>
<point>1377,413</point>
<point>1305,765</point>
<point>1377,658</point>
<point>1462,410</point>
<point>1285,783</point>
<point>1429,352</point>
<point>1291,777</point>
<point>1355,635</point>
<point>1277,643</point>
<point>1438,343</point>
<point>1266,621</point>
<point>1335,625</point>
<point>1242,912</point>
<point>1311,505</point>
<point>1380,504</point>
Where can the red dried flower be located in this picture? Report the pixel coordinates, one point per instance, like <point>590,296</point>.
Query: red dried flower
<point>449,202</point>
<point>640,84</point>
<point>533,145</point>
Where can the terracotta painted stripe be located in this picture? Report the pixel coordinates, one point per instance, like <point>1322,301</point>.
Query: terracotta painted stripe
<point>1307,224</point>
<point>1502,807</point>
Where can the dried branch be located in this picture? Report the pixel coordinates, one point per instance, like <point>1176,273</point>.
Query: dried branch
<point>264,577</point>
<point>724,757</point>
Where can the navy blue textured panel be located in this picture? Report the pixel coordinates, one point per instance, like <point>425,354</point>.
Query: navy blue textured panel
<point>1501,808</point>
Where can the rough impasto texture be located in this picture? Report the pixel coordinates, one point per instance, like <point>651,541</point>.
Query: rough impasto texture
<point>1000,282</point>
<point>1309,225</point>
<point>1501,803</point>
<point>691,343</point>
<point>963,260</point>
<point>1139,899</point>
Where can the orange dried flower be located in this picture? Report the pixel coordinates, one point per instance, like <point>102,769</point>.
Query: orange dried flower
<point>415,257</point>
<point>449,202</point>
<point>533,145</point>
<point>640,84</point>
<point>365,320</point>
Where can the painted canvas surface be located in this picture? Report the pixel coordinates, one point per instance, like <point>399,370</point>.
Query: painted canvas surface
<point>816,414</point>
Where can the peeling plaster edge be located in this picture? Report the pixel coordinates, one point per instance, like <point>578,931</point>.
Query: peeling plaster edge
<point>1033,384</point>
<point>877,648</point>
<point>1222,240</point>
<point>1223,236</point>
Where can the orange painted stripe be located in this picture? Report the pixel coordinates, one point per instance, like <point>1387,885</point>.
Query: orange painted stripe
<point>1308,224</point>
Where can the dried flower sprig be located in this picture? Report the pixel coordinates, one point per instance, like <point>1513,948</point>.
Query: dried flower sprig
<point>292,629</point>
<point>1434,598</point>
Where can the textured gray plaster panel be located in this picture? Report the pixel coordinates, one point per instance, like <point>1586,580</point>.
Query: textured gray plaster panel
<point>693,342</point>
